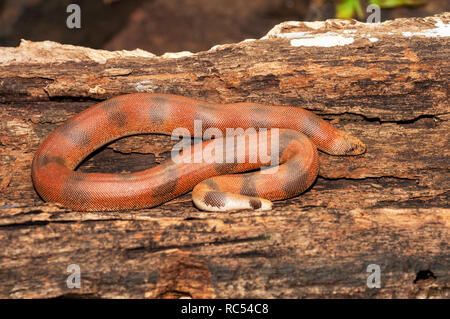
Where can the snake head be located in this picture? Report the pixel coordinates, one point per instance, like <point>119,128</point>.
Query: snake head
<point>345,144</point>
<point>352,145</point>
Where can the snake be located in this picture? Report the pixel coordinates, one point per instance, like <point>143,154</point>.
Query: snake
<point>217,185</point>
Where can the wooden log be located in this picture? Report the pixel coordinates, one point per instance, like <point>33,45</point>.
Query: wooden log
<point>385,83</point>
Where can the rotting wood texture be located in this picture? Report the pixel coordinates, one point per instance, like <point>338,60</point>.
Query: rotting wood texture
<point>386,83</point>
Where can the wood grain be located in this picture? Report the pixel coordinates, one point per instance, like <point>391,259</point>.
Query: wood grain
<point>389,206</point>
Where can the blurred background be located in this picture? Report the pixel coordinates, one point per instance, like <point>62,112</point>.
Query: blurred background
<point>160,26</point>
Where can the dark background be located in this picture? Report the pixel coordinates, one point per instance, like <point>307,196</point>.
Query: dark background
<point>162,26</point>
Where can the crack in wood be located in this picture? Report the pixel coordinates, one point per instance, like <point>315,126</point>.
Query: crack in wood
<point>359,117</point>
<point>150,249</point>
<point>388,206</point>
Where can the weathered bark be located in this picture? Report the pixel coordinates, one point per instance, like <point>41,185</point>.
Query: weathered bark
<point>385,83</point>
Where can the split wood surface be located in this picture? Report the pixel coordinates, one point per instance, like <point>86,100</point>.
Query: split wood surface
<point>387,84</point>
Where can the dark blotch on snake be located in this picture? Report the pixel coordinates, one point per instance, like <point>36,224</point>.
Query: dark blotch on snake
<point>115,113</point>
<point>207,106</point>
<point>215,199</point>
<point>211,183</point>
<point>158,112</point>
<point>295,180</point>
<point>286,137</point>
<point>224,168</point>
<point>77,135</point>
<point>168,187</point>
<point>255,203</point>
<point>311,123</point>
<point>46,159</point>
<point>260,116</point>
<point>248,187</point>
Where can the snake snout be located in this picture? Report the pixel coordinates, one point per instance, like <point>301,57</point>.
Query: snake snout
<point>356,147</point>
<point>347,144</point>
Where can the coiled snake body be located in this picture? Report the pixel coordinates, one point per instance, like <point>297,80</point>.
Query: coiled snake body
<point>215,187</point>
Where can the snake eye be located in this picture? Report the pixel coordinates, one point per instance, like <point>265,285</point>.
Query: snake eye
<point>355,146</point>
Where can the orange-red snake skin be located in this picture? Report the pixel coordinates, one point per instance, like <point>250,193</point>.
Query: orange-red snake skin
<point>215,187</point>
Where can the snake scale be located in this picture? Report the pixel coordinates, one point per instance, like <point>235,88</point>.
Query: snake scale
<point>214,184</point>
